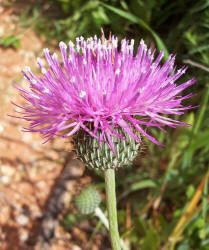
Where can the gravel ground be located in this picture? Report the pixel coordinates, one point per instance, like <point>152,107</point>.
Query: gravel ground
<point>28,169</point>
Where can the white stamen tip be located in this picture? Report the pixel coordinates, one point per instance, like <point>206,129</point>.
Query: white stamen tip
<point>142,42</point>
<point>72,79</point>
<point>117,72</point>
<point>84,62</point>
<point>46,91</point>
<point>153,66</point>
<point>115,43</point>
<point>43,71</point>
<point>141,90</point>
<point>27,68</point>
<point>39,61</point>
<point>71,44</point>
<point>54,56</point>
<point>46,50</point>
<point>62,45</point>
<point>46,108</point>
<point>82,94</point>
<point>132,42</point>
<point>35,96</point>
<point>33,81</point>
<point>143,70</point>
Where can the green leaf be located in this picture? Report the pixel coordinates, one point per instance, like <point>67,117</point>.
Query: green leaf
<point>100,17</point>
<point>205,243</point>
<point>7,3</point>
<point>201,7</point>
<point>151,240</point>
<point>138,186</point>
<point>202,111</point>
<point>205,200</point>
<point>10,41</point>
<point>184,246</point>
<point>190,191</point>
<point>199,49</point>
<point>134,19</point>
<point>200,140</point>
<point>71,220</point>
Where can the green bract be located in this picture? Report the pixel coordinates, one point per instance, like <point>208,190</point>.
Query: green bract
<point>103,157</point>
<point>88,200</point>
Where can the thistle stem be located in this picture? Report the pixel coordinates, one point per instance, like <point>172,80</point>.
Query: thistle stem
<point>103,219</point>
<point>111,208</point>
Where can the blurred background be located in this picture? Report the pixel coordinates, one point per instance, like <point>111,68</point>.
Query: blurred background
<point>163,198</point>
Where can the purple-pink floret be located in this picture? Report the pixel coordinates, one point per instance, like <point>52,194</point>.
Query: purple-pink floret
<point>98,84</point>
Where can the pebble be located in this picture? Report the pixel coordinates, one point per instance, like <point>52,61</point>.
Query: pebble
<point>5,214</point>
<point>1,31</point>
<point>23,236</point>
<point>75,247</point>
<point>5,179</point>
<point>1,128</point>
<point>1,9</point>
<point>7,170</point>
<point>22,219</point>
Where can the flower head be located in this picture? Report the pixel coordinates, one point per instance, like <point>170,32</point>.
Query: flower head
<point>108,88</point>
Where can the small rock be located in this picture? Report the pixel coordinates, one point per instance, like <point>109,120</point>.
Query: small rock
<point>7,170</point>
<point>24,236</point>
<point>22,219</point>
<point>1,9</point>
<point>41,184</point>
<point>1,126</point>
<point>37,214</point>
<point>5,214</point>
<point>75,247</point>
<point>26,137</point>
<point>5,179</point>
<point>16,69</point>
<point>1,31</point>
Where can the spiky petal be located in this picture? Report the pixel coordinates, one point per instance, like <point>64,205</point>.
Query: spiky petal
<point>98,84</point>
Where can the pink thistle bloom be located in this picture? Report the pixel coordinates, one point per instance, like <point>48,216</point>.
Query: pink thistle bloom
<point>98,84</point>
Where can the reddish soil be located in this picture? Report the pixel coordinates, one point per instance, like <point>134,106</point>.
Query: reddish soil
<point>28,169</point>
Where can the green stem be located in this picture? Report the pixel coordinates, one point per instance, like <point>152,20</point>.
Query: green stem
<point>111,208</point>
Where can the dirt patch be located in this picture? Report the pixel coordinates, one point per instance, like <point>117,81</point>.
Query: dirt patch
<point>28,169</point>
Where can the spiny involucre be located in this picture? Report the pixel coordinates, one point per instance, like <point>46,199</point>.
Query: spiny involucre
<point>100,85</point>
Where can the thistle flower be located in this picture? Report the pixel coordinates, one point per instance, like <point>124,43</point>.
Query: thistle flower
<point>108,98</point>
<point>98,84</point>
